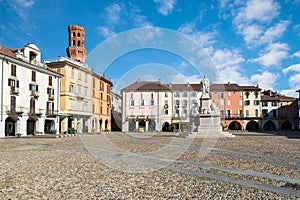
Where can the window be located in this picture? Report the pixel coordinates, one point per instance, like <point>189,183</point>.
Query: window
<point>274,103</point>
<point>241,94</point>
<point>184,94</point>
<point>50,81</point>
<point>79,76</point>
<point>264,103</point>
<point>256,93</point>
<point>240,113</point>
<point>247,102</point>
<point>32,106</point>
<point>152,96</point>
<point>166,94</point>
<point>247,94</point>
<point>274,113</point>
<point>228,102</point>
<point>101,86</point>
<point>256,102</point>
<point>166,102</point>
<point>13,70</point>
<point>241,102</point>
<point>13,83</point>
<point>78,43</point>
<point>176,114</point>
<point>94,81</point>
<point>184,102</point>
<point>74,43</point>
<point>222,113</point>
<point>86,77</point>
<point>132,102</point>
<point>93,108</point>
<point>176,102</point>
<point>33,76</point>
<point>131,96</point>
<point>184,113</point>
<point>141,95</point>
<point>78,34</point>
<point>228,113</point>
<point>265,112</point>
<point>50,91</point>
<point>13,104</point>
<point>33,87</point>
<point>152,102</point>
<point>221,95</point>
<point>221,102</point>
<point>229,94</point>
<point>72,88</point>
<point>79,89</point>
<point>247,113</point>
<point>176,94</point>
<point>108,89</point>
<point>72,73</point>
<point>166,112</point>
<point>194,94</point>
<point>142,102</point>
<point>256,112</point>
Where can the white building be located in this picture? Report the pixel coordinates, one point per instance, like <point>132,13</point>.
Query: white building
<point>116,112</point>
<point>29,93</point>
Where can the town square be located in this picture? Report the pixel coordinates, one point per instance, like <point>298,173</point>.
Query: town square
<point>160,99</point>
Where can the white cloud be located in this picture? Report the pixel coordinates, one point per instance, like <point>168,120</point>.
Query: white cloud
<point>258,10</point>
<point>113,12</point>
<point>265,80</point>
<point>289,93</point>
<point>180,78</point>
<point>273,55</point>
<point>274,32</point>
<point>296,54</point>
<point>106,31</point>
<point>292,68</point>
<point>21,7</point>
<point>165,7</point>
<point>205,39</point>
<point>120,16</point>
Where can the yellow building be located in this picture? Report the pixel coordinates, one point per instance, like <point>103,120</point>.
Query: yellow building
<point>84,95</point>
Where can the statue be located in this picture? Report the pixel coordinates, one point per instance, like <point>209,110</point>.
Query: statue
<point>214,108</point>
<point>205,85</point>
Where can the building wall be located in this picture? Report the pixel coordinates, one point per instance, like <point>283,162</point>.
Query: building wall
<point>28,119</point>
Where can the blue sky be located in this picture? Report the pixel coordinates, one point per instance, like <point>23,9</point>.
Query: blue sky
<point>250,42</point>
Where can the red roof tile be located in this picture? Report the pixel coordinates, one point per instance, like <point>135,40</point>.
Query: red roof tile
<point>7,51</point>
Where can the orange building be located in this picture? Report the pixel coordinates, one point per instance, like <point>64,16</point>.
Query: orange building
<point>101,103</point>
<point>229,99</point>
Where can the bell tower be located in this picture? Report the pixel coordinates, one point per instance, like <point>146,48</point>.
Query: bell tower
<point>76,48</point>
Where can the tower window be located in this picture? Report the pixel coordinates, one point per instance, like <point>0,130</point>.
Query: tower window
<point>74,43</point>
<point>78,34</point>
<point>78,43</point>
<point>73,34</point>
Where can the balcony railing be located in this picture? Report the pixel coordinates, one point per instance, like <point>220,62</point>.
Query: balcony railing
<point>13,109</point>
<point>14,90</point>
<point>50,96</point>
<point>51,112</point>
<point>34,93</point>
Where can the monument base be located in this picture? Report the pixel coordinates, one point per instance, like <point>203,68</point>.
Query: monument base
<point>209,127</point>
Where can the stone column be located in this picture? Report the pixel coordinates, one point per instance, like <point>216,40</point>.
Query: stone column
<point>137,126</point>
<point>147,126</point>
<point>21,125</point>
<point>64,125</point>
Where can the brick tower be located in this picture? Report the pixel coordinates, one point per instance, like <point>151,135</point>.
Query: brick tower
<point>76,49</point>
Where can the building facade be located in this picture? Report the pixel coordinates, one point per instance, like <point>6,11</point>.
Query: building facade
<point>241,107</point>
<point>116,112</point>
<point>85,95</point>
<point>29,93</point>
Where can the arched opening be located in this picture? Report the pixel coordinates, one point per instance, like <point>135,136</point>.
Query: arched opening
<point>106,124</point>
<point>252,126</point>
<point>235,126</point>
<point>10,126</point>
<point>269,126</point>
<point>166,127</point>
<point>131,125</point>
<point>49,127</point>
<point>100,124</point>
<point>142,125</point>
<point>152,126</point>
<point>78,43</point>
<point>31,126</point>
<point>286,126</point>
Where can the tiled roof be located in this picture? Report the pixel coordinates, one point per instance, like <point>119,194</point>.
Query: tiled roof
<point>180,87</point>
<point>250,88</point>
<point>7,51</point>
<point>270,95</point>
<point>225,87</point>
<point>145,86</point>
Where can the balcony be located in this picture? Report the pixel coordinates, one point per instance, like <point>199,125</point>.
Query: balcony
<point>51,113</point>
<point>14,90</point>
<point>12,110</point>
<point>50,97</point>
<point>34,94</point>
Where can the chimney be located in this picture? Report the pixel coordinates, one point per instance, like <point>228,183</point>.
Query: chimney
<point>228,83</point>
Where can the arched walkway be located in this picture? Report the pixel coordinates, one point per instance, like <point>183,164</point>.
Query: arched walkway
<point>31,126</point>
<point>10,126</point>
<point>235,126</point>
<point>252,126</point>
<point>287,126</point>
<point>166,126</point>
<point>151,126</point>
<point>131,125</point>
<point>269,126</point>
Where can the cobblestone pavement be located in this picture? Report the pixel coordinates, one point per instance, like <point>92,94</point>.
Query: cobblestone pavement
<point>157,166</point>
